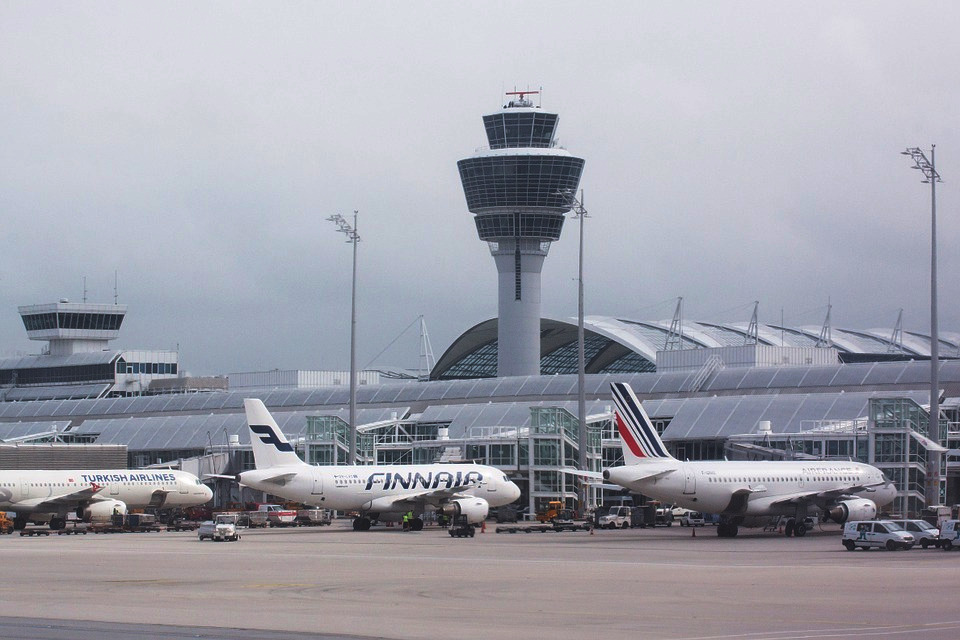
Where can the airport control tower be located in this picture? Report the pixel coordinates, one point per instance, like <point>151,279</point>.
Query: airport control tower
<point>519,188</point>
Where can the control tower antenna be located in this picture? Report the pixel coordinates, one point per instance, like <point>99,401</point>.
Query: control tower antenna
<point>518,190</point>
<point>116,286</point>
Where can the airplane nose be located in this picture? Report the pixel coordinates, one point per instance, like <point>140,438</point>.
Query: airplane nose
<point>514,492</point>
<point>207,493</point>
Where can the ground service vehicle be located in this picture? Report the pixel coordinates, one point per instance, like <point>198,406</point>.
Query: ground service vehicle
<point>950,535</point>
<point>691,519</point>
<point>461,527</point>
<point>924,533</point>
<point>277,516</point>
<point>880,534</point>
<point>223,528</point>
<point>616,518</point>
<point>6,524</point>
<point>553,508</point>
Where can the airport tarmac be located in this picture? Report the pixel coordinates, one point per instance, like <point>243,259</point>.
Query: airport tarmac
<point>334,582</point>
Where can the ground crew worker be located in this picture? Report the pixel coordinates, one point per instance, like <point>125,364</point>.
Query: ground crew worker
<point>406,521</point>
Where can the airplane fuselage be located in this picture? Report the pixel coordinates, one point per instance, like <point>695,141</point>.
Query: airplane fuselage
<point>750,488</point>
<point>135,488</point>
<point>368,487</point>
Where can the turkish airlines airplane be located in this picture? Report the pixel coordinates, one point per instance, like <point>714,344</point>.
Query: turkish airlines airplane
<point>378,492</point>
<point>48,496</point>
<point>743,493</point>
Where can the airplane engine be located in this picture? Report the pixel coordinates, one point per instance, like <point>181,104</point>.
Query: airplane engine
<point>476,509</point>
<point>101,510</point>
<point>858,509</point>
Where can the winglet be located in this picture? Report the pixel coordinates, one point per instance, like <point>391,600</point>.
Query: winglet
<point>638,439</point>
<point>270,447</point>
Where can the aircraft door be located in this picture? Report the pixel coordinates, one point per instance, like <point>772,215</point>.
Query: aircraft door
<point>115,489</point>
<point>182,486</point>
<point>24,488</point>
<point>317,485</point>
<point>689,480</point>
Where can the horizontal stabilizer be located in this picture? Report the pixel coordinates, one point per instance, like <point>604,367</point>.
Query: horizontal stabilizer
<point>593,475</point>
<point>281,478</point>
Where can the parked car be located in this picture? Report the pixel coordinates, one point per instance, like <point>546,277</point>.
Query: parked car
<point>950,535</point>
<point>692,519</point>
<point>923,532</point>
<point>223,528</point>
<point>882,534</point>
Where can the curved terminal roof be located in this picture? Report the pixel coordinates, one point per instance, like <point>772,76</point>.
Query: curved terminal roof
<point>616,345</point>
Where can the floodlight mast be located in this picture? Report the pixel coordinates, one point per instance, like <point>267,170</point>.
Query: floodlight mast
<point>580,213</point>
<point>929,170</point>
<point>353,238</point>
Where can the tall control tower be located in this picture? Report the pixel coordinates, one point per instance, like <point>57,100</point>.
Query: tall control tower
<point>519,188</point>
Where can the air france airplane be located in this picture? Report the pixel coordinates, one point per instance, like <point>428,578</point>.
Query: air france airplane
<point>377,492</point>
<point>743,493</point>
<point>48,496</point>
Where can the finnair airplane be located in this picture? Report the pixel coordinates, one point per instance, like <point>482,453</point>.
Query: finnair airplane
<point>743,493</point>
<point>378,492</point>
<point>48,496</point>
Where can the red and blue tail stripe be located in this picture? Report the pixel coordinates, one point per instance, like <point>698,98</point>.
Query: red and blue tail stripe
<point>639,437</point>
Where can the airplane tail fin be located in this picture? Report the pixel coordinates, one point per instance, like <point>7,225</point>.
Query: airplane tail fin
<point>270,447</point>
<point>638,439</point>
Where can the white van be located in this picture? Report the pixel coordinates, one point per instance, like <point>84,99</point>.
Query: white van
<point>924,533</point>
<point>881,534</point>
<point>950,535</point>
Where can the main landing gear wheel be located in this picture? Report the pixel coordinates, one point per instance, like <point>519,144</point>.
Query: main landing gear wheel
<point>58,523</point>
<point>19,523</point>
<point>800,530</point>
<point>416,524</point>
<point>361,524</point>
<point>788,528</point>
<point>726,530</point>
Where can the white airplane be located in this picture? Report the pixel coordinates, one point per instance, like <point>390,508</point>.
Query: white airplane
<point>742,493</point>
<point>377,492</point>
<point>48,496</point>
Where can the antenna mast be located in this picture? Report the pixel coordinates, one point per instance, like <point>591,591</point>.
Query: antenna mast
<point>426,352</point>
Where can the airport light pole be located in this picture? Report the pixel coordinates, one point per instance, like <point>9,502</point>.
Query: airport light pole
<point>930,175</point>
<point>352,238</point>
<point>580,213</point>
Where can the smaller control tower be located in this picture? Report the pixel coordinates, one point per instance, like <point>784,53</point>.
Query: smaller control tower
<point>519,188</point>
<point>73,327</point>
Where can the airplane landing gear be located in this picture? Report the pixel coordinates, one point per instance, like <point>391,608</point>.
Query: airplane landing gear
<point>361,524</point>
<point>416,524</point>
<point>794,528</point>
<point>57,523</point>
<point>19,523</point>
<point>727,530</point>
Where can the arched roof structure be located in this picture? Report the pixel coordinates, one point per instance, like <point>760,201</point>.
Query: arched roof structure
<point>616,345</point>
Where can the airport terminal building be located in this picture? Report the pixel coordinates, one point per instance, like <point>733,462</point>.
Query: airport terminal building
<point>505,392</point>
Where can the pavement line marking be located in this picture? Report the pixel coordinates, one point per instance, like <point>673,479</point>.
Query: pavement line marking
<point>826,633</point>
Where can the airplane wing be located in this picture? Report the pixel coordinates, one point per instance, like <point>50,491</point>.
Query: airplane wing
<point>87,494</point>
<point>431,497</point>
<point>821,497</point>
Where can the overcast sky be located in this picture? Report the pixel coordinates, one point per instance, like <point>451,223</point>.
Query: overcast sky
<point>735,151</point>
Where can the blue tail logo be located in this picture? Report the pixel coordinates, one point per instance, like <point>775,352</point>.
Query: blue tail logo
<point>267,436</point>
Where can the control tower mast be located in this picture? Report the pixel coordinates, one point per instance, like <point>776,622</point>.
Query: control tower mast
<point>519,188</point>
